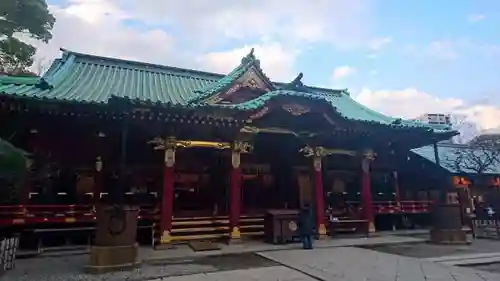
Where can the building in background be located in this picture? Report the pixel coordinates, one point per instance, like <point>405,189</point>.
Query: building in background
<point>435,118</point>
<point>468,130</point>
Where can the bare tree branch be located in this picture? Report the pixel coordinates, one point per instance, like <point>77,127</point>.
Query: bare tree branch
<point>481,156</point>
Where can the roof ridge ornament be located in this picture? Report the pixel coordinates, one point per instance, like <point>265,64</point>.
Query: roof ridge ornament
<point>249,57</point>
<point>297,85</point>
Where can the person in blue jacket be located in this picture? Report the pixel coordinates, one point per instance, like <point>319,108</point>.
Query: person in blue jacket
<point>306,226</point>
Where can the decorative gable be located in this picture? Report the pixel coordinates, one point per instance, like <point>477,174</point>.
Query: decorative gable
<point>244,83</point>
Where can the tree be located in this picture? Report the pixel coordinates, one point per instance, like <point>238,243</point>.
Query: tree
<point>31,18</point>
<point>13,170</point>
<point>480,156</point>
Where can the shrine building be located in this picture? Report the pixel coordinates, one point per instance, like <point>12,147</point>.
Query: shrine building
<point>206,155</point>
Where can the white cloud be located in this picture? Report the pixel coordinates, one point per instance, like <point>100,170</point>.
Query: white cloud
<point>411,103</point>
<point>276,60</point>
<point>475,18</point>
<point>342,22</point>
<point>342,72</point>
<point>378,43</point>
<point>190,34</point>
<point>96,27</point>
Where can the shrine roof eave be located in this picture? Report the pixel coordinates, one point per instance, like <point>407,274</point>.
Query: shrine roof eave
<point>347,108</point>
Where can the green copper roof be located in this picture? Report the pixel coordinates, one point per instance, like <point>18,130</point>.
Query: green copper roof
<point>449,153</point>
<point>346,106</point>
<point>83,78</point>
<point>86,78</point>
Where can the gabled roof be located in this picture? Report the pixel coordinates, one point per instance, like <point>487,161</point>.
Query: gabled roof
<point>449,154</point>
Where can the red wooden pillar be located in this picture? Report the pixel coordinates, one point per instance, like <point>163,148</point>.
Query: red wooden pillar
<point>235,192</point>
<point>27,183</point>
<point>28,180</point>
<point>396,188</point>
<point>167,195</point>
<point>366,191</point>
<point>98,181</point>
<point>319,196</point>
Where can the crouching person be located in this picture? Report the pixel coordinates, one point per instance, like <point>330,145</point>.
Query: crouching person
<point>306,227</point>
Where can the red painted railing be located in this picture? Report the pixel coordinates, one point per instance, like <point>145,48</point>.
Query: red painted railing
<point>37,214</point>
<point>401,207</point>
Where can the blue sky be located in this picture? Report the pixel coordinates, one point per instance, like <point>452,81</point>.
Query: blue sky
<point>441,55</point>
<point>469,73</point>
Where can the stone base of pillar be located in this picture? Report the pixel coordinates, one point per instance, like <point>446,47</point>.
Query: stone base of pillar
<point>234,236</point>
<point>165,241</point>
<point>166,238</point>
<point>449,237</point>
<point>371,227</point>
<point>104,259</point>
<point>322,233</point>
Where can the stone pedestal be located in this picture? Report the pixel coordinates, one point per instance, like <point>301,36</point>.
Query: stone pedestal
<point>447,225</point>
<point>105,259</point>
<point>115,243</point>
<point>449,236</point>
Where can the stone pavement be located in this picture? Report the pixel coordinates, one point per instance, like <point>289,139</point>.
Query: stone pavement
<point>468,259</point>
<point>355,264</point>
<point>275,273</point>
<point>184,251</point>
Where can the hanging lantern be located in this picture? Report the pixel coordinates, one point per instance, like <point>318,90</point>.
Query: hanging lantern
<point>495,182</point>
<point>461,182</point>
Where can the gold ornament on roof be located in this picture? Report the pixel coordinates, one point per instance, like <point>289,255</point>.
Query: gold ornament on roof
<point>296,109</point>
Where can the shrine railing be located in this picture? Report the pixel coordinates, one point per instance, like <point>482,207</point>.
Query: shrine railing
<point>398,207</point>
<point>39,214</point>
<point>489,229</point>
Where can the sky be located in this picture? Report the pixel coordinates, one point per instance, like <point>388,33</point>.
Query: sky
<point>401,58</point>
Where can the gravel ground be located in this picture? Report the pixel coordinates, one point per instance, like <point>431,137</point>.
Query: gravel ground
<point>70,268</point>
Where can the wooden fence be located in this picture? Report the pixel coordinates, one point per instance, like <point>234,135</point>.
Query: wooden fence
<point>489,229</point>
<point>8,248</point>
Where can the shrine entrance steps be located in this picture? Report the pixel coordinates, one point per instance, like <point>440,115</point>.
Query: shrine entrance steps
<point>210,228</point>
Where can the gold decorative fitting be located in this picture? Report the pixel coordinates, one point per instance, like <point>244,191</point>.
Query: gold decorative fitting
<point>98,164</point>
<point>242,147</point>
<point>322,229</point>
<point>369,154</point>
<point>252,84</point>
<point>172,143</point>
<point>235,233</point>
<point>320,151</point>
<point>166,238</point>
<point>296,109</point>
<point>203,144</point>
<point>169,157</point>
<point>259,113</point>
<point>317,163</point>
